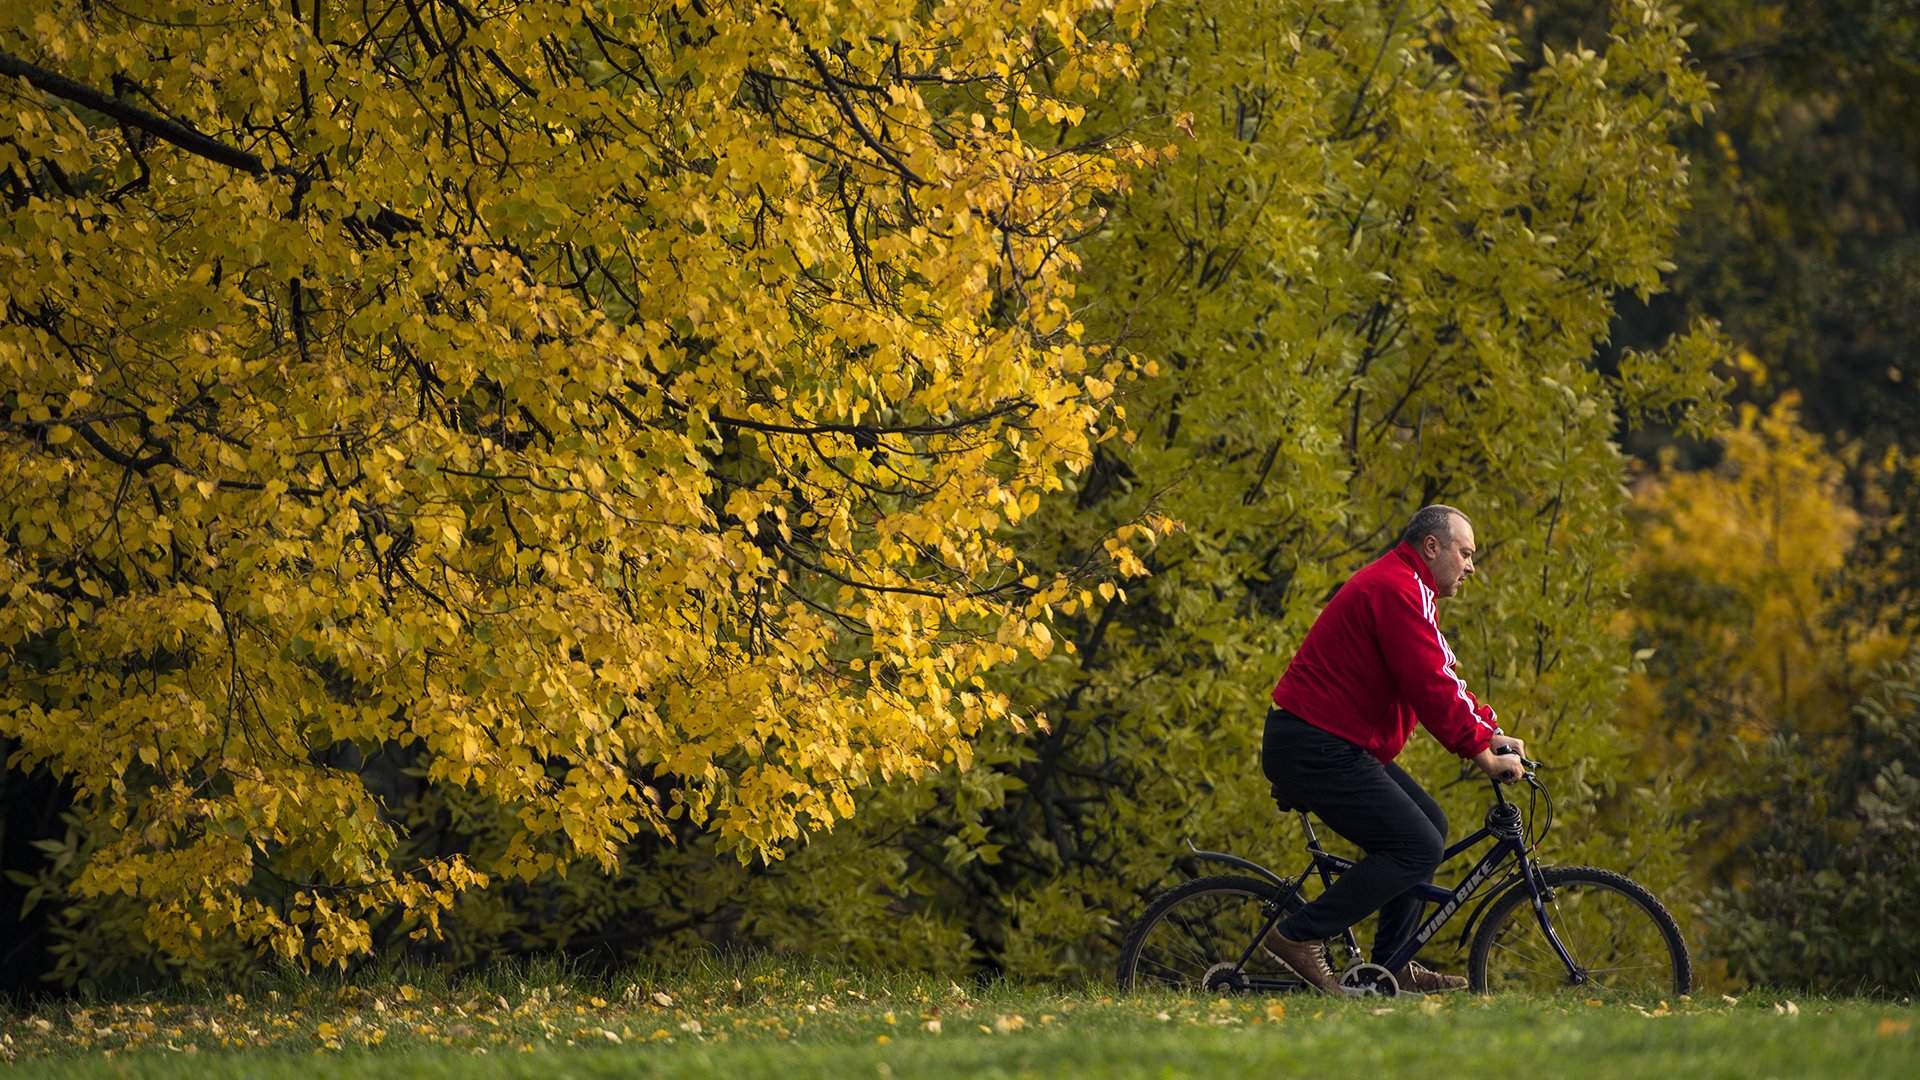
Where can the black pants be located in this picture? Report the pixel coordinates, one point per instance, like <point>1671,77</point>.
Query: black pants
<point>1376,806</point>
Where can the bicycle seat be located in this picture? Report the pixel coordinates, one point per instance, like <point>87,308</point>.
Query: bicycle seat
<point>1284,801</point>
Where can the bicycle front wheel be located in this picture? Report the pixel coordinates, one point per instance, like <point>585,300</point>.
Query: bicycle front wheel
<point>1193,936</point>
<point>1622,942</point>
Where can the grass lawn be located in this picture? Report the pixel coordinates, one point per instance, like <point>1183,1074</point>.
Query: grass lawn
<point>760,1018</point>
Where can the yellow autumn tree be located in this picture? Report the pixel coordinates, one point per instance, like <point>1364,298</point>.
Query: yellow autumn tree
<point>1744,576</point>
<point>600,411</point>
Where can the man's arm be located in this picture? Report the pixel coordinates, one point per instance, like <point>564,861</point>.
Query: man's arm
<point>1423,669</point>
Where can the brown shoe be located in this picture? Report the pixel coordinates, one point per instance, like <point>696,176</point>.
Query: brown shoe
<point>1307,959</point>
<point>1420,979</point>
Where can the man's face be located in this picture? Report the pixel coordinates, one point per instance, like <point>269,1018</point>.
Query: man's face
<point>1450,557</point>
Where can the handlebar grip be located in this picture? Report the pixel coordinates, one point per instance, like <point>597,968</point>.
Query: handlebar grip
<point>1508,751</point>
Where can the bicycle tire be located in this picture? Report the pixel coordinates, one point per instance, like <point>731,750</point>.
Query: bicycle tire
<point>1213,919</point>
<point>1602,918</point>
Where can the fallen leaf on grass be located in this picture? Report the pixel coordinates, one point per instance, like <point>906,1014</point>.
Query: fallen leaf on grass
<point>1786,1008</point>
<point>1277,1011</point>
<point>1888,1027</point>
<point>932,1026</point>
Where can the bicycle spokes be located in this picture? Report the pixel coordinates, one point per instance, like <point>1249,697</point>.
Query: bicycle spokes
<point>1618,948</point>
<point>1197,940</point>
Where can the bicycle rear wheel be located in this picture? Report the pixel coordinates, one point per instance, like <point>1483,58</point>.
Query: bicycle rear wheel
<point>1622,941</point>
<point>1193,935</point>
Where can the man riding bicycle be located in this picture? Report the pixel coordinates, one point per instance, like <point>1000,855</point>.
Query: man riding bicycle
<point>1373,665</point>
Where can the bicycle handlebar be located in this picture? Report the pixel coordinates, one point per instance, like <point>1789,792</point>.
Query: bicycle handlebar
<point>1527,765</point>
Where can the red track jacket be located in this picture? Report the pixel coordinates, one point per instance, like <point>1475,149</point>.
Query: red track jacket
<point>1375,662</point>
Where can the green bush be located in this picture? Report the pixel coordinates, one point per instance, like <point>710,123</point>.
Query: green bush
<point>1832,896</point>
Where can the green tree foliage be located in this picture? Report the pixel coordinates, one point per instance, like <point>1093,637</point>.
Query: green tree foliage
<point>1804,240</point>
<point>1373,275</point>
<point>1377,273</point>
<point>557,422</point>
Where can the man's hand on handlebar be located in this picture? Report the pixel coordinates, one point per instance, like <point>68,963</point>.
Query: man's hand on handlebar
<point>1502,759</point>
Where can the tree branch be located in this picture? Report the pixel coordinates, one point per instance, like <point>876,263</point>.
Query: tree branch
<point>858,431</point>
<point>853,117</point>
<point>160,127</point>
<point>386,222</point>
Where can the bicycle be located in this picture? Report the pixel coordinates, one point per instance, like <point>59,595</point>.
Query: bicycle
<point>1591,931</point>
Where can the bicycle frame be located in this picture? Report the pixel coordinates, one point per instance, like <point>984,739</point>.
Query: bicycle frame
<point>1502,826</point>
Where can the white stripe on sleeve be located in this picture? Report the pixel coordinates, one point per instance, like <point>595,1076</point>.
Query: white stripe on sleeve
<point>1428,603</point>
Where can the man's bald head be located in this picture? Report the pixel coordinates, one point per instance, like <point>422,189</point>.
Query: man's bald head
<point>1435,520</point>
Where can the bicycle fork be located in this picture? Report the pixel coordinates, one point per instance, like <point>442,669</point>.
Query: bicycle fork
<point>1576,975</point>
